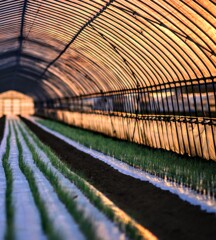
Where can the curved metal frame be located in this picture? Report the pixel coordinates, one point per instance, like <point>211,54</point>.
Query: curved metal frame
<point>151,57</point>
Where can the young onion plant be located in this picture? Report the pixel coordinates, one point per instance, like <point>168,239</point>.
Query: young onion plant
<point>85,224</point>
<point>131,231</point>
<point>46,222</point>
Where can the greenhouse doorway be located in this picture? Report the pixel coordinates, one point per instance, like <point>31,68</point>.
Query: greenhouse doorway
<point>15,103</point>
<point>11,106</point>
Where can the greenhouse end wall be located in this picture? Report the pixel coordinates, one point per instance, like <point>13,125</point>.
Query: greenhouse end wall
<point>182,137</point>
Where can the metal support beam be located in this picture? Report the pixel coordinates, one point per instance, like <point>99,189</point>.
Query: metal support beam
<point>21,32</point>
<point>76,35</point>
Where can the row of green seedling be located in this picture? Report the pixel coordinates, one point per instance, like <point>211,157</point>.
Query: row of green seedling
<point>190,172</point>
<point>85,224</point>
<point>81,183</point>
<point>29,174</point>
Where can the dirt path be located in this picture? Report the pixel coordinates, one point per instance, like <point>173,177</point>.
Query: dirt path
<point>3,140</point>
<point>161,212</point>
<point>2,125</point>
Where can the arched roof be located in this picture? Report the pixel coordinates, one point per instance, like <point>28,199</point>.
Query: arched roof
<point>57,48</point>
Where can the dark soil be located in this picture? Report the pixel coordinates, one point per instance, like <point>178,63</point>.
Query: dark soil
<point>161,212</point>
<point>2,126</point>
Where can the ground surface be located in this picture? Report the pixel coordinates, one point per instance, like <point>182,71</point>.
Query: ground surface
<point>161,212</point>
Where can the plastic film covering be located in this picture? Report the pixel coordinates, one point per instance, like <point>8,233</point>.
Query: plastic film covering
<point>143,60</point>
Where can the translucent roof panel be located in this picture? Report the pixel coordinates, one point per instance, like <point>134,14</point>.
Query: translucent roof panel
<point>70,48</point>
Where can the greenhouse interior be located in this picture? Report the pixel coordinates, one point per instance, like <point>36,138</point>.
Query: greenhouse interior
<point>108,119</point>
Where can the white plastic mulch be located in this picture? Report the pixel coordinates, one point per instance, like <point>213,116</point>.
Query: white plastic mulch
<point>103,227</point>
<point>27,224</point>
<point>3,183</point>
<point>62,221</point>
<point>206,203</point>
